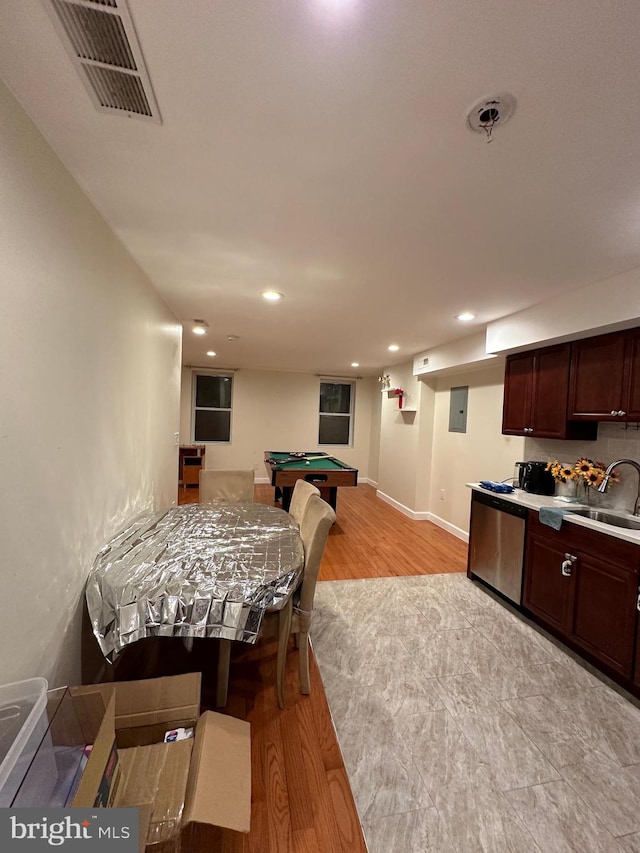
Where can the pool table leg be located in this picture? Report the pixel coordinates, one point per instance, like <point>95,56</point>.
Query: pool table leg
<point>329,494</point>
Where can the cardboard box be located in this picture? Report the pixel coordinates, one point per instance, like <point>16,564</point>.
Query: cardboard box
<point>191,789</point>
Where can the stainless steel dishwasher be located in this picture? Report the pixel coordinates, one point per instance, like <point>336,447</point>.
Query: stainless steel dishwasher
<point>496,544</point>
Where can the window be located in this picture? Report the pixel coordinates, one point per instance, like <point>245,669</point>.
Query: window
<point>336,410</point>
<point>211,407</point>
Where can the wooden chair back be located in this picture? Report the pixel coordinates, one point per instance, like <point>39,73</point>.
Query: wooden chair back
<point>226,485</point>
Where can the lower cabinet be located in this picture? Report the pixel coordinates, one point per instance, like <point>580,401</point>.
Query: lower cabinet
<point>584,586</point>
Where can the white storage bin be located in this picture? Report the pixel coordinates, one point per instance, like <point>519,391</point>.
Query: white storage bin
<point>23,727</point>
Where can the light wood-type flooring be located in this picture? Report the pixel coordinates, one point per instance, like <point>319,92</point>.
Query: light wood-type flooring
<point>301,798</point>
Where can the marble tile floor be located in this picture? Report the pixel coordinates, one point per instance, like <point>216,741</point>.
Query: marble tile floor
<point>465,729</point>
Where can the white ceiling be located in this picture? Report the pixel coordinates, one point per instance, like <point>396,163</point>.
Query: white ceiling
<point>320,148</point>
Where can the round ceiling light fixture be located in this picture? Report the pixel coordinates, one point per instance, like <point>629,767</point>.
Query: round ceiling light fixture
<point>465,317</point>
<point>393,347</point>
<point>211,353</point>
<point>488,113</point>
<point>272,295</point>
<point>355,364</point>
<point>199,326</point>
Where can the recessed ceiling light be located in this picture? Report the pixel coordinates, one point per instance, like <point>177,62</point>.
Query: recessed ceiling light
<point>233,337</point>
<point>355,364</point>
<point>272,295</point>
<point>465,316</point>
<point>199,330</point>
<point>211,353</point>
<point>393,348</point>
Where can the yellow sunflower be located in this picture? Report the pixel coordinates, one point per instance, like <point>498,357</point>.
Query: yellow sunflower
<point>567,473</point>
<point>583,466</point>
<point>595,476</point>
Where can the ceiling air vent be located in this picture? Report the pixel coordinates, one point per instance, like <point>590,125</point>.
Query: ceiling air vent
<point>100,38</point>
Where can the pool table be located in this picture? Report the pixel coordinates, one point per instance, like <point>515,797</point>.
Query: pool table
<point>325,472</point>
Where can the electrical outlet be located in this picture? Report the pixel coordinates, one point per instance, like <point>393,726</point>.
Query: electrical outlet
<point>442,494</point>
<point>176,439</point>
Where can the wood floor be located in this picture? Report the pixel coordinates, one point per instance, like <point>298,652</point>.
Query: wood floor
<point>370,539</point>
<point>301,799</point>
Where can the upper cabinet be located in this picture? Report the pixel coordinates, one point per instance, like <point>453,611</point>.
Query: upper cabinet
<point>605,377</point>
<point>536,388</point>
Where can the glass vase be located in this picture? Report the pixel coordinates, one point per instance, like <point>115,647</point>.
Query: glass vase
<point>586,493</point>
<point>568,489</point>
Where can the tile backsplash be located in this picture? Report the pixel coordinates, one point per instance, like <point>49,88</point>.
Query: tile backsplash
<point>614,442</point>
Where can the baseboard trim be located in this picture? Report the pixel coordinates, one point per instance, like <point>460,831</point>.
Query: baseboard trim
<point>458,532</point>
<point>416,516</point>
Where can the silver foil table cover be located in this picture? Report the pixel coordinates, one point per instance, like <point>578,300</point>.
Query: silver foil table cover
<point>198,570</point>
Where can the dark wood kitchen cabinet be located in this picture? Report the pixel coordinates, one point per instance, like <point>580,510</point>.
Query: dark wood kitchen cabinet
<point>546,591</point>
<point>583,585</point>
<point>535,396</point>
<point>604,380</point>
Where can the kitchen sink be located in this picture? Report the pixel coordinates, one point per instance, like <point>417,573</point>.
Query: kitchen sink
<point>609,518</point>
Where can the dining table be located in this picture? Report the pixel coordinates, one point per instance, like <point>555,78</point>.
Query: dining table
<point>195,570</point>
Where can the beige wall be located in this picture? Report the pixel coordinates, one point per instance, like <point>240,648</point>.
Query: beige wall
<point>420,458</point>
<point>400,465</point>
<point>279,411</point>
<point>89,383</point>
<point>482,453</point>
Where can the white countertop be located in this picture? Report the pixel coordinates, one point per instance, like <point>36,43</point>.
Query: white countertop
<point>535,502</point>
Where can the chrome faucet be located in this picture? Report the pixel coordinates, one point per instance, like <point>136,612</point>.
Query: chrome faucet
<point>605,482</point>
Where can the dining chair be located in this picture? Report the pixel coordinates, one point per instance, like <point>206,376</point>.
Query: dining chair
<point>302,491</point>
<point>295,617</point>
<point>226,486</point>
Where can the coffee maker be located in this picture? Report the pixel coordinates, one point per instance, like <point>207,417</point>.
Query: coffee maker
<point>533,477</point>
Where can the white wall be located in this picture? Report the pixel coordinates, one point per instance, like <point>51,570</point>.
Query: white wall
<point>455,354</point>
<point>279,411</point>
<point>89,384</point>
<point>597,308</point>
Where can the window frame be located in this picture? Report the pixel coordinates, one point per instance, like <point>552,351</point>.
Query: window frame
<point>350,415</point>
<point>194,389</point>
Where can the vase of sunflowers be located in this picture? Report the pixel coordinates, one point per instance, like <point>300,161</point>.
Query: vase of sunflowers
<point>584,473</point>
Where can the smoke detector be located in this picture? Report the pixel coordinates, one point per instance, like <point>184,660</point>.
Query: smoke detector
<point>488,113</point>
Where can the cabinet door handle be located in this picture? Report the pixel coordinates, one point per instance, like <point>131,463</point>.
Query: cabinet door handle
<point>567,565</point>
<point>638,602</point>
<point>621,414</point>
<point>614,412</point>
